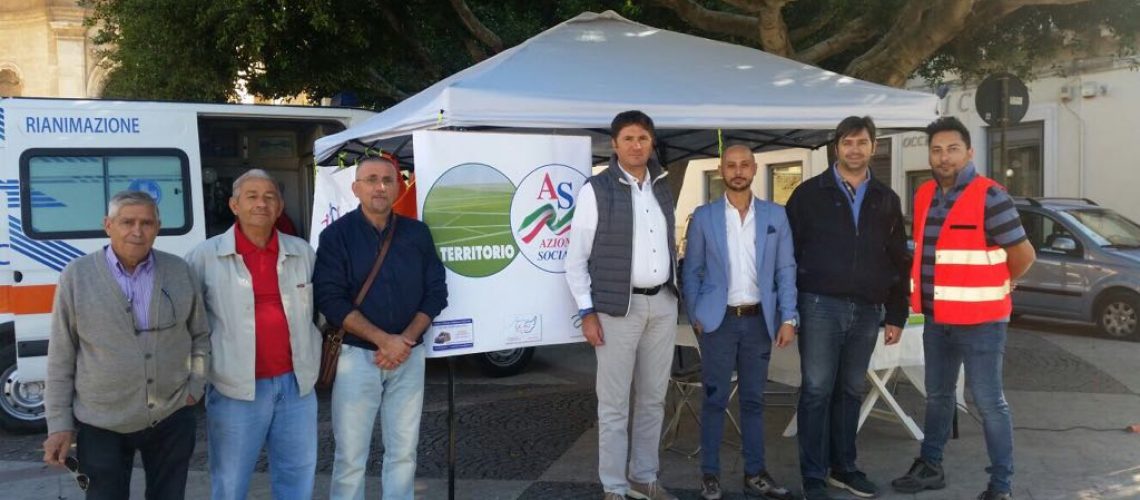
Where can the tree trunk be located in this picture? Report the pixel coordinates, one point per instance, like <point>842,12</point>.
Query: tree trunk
<point>773,30</point>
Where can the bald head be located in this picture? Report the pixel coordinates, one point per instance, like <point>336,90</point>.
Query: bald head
<point>736,150</point>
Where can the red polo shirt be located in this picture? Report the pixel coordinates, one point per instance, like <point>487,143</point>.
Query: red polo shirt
<point>274,355</point>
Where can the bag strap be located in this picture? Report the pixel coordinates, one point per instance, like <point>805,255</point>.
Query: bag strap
<point>379,261</point>
<point>339,334</point>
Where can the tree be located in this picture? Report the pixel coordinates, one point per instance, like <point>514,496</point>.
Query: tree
<point>384,50</point>
<point>888,41</point>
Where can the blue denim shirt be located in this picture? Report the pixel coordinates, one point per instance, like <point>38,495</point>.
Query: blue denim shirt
<point>859,192</point>
<point>411,280</point>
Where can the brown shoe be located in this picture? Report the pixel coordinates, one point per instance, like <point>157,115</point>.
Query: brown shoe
<point>651,491</point>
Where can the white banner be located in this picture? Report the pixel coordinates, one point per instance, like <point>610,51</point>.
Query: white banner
<point>332,198</point>
<point>499,207</point>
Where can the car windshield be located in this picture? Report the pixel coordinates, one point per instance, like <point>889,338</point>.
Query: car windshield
<point>1106,227</point>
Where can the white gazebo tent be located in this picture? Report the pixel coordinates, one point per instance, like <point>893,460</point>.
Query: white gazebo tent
<point>574,77</point>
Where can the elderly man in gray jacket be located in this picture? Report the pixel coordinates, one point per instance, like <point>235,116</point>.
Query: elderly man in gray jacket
<point>127,359</point>
<point>266,350</point>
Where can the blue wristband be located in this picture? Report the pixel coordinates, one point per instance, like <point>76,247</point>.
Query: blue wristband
<point>582,313</point>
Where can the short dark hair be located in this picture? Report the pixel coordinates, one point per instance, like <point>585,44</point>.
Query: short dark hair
<point>632,117</point>
<point>852,125</point>
<point>948,124</point>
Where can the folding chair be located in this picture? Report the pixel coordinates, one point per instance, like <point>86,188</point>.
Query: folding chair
<point>685,383</point>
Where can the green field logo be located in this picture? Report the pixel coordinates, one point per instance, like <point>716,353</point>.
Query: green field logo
<point>469,213</point>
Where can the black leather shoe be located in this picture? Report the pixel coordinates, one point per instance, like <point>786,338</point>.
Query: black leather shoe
<point>993,495</point>
<point>922,475</point>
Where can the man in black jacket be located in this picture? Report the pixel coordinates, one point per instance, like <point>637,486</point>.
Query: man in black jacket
<point>850,246</point>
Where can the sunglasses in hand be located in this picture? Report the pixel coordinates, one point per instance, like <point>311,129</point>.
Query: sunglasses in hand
<point>81,479</point>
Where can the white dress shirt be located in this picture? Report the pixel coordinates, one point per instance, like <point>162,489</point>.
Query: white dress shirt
<point>651,262</point>
<point>742,288</point>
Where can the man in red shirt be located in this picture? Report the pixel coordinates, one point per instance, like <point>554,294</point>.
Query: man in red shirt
<point>256,282</point>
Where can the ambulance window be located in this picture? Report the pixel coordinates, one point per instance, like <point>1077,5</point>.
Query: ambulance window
<point>66,192</point>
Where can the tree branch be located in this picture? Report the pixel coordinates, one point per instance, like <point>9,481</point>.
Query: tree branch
<point>923,27</point>
<point>715,21</point>
<point>992,10</point>
<point>749,6</point>
<point>803,32</point>
<point>856,32</point>
<point>385,87</point>
<point>421,52</point>
<point>919,30</point>
<point>476,27</point>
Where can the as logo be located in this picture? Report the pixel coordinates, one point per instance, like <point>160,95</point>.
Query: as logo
<point>541,212</point>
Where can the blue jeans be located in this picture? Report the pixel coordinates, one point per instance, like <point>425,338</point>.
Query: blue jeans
<point>742,343</point>
<point>361,390</point>
<point>981,349</point>
<point>279,418</point>
<point>836,339</point>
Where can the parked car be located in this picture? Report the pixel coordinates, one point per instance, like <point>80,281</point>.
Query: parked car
<point>1087,268</point>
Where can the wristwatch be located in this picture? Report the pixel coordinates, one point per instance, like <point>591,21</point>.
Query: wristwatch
<point>795,322</point>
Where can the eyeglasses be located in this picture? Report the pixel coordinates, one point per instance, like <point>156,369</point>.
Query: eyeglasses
<point>374,181</point>
<point>81,479</point>
<point>168,315</point>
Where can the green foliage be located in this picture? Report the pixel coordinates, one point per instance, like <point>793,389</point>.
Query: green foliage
<point>385,50</point>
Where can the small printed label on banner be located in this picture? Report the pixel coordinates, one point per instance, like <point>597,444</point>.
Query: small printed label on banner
<point>452,334</point>
<point>525,329</point>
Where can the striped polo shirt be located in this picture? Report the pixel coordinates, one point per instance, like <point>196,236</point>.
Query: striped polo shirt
<point>1003,226</point>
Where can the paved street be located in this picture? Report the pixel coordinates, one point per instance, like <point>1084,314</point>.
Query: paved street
<point>533,436</point>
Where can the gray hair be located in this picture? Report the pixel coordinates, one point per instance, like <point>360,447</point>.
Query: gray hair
<point>129,198</point>
<point>253,173</point>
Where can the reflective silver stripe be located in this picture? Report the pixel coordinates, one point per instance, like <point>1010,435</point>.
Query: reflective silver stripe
<point>970,257</point>
<point>971,293</point>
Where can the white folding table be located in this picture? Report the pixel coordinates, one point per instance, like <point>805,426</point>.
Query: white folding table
<point>902,359</point>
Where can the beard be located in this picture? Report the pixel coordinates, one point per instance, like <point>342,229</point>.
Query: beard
<point>737,187</point>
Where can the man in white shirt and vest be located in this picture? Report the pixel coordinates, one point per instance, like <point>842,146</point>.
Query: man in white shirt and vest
<point>620,271</point>
<point>969,247</point>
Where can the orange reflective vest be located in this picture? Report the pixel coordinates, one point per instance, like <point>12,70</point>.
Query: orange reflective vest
<point>971,278</point>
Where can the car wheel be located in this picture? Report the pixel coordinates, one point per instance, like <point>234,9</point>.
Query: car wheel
<point>504,363</point>
<point>1119,315</point>
<point>21,405</point>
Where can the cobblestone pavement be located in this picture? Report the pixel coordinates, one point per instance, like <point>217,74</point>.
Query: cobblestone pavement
<point>519,429</point>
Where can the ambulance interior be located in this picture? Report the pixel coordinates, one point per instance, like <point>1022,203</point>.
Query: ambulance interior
<point>283,148</point>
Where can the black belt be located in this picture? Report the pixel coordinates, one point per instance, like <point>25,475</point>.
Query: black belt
<point>745,310</point>
<point>647,291</point>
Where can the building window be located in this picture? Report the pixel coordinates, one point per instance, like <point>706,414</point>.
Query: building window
<point>881,161</point>
<point>914,179</point>
<point>1022,174</point>
<point>714,185</point>
<point>68,190</point>
<point>783,178</point>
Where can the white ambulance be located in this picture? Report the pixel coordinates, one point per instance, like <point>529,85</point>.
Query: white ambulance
<point>61,160</point>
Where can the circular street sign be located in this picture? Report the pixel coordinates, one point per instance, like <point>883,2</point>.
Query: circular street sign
<point>999,89</point>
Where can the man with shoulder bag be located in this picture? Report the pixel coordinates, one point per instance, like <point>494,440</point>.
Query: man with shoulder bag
<point>380,368</point>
